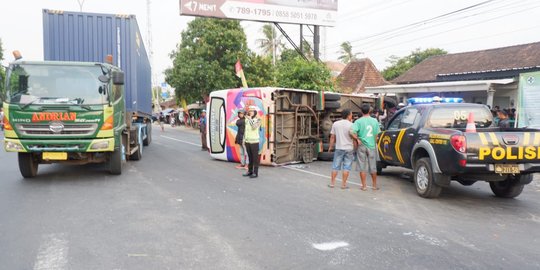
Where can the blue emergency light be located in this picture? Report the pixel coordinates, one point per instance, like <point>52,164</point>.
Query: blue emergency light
<point>429,100</point>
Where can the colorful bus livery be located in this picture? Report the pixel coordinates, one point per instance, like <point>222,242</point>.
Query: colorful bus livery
<point>222,115</point>
<point>290,123</point>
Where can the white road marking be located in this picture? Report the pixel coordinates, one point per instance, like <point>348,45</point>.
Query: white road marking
<point>288,167</point>
<point>330,245</point>
<point>52,253</point>
<point>174,139</point>
<point>322,175</point>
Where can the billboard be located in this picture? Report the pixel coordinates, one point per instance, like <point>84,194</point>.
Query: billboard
<point>528,100</point>
<point>309,12</point>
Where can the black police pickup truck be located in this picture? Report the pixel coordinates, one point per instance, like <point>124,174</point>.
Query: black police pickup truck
<point>431,139</point>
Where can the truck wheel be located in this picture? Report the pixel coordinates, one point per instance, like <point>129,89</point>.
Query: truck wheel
<point>115,162</point>
<point>148,139</point>
<point>28,165</point>
<point>509,188</point>
<point>326,156</point>
<point>332,97</point>
<point>137,155</point>
<point>332,105</point>
<point>424,179</point>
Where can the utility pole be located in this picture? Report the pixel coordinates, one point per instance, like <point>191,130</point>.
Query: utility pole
<point>81,3</point>
<point>149,47</point>
<point>316,42</point>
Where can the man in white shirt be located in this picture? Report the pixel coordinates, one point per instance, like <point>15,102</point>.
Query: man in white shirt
<point>344,153</point>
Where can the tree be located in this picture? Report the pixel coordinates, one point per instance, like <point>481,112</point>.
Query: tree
<point>301,74</point>
<point>398,66</point>
<point>346,53</point>
<point>204,60</point>
<point>272,43</point>
<point>259,70</point>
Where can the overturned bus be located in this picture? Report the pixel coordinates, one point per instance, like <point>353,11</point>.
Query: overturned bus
<point>295,123</point>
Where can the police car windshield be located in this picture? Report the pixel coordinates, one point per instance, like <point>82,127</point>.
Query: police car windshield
<point>55,84</point>
<point>457,117</point>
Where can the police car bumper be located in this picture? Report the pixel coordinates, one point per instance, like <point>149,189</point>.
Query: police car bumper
<point>524,168</point>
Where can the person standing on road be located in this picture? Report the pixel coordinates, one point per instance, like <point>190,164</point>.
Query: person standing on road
<point>344,154</point>
<point>364,131</point>
<point>202,129</point>
<point>251,140</point>
<point>241,126</point>
<point>161,120</point>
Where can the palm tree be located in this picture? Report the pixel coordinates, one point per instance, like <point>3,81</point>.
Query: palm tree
<point>271,43</point>
<point>346,53</point>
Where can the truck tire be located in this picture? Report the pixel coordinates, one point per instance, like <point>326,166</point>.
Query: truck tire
<point>331,97</point>
<point>115,161</point>
<point>28,165</point>
<point>326,156</point>
<point>332,105</point>
<point>137,155</point>
<point>424,179</point>
<point>509,188</point>
<point>148,139</point>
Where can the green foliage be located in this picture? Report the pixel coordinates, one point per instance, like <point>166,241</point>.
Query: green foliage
<point>204,60</point>
<point>346,52</point>
<point>288,54</point>
<point>301,74</point>
<point>401,65</point>
<point>259,71</point>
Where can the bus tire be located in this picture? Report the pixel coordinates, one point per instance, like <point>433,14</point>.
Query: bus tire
<point>332,105</point>
<point>332,97</point>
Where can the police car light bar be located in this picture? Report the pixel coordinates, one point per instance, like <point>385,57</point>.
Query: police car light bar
<point>429,100</point>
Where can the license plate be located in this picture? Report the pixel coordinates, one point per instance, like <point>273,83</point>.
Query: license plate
<point>507,168</point>
<point>54,155</point>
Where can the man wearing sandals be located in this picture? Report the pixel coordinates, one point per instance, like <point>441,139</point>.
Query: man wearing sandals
<point>344,154</point>
<point>364,131</point>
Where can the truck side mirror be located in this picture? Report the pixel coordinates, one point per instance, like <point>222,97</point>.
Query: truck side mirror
<point>118,77</point>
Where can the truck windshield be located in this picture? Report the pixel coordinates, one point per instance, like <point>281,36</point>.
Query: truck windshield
<point>457,117</point>
<point>54,84</point>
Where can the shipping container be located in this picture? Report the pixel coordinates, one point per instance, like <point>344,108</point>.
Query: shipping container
<point>90,37</point>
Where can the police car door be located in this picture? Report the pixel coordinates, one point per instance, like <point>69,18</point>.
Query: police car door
<point>387,139</point>
<point>407,136</point>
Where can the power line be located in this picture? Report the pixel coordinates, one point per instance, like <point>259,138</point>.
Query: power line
<point>424,27</point>
<point>456,28</point>
<point>425,21</point>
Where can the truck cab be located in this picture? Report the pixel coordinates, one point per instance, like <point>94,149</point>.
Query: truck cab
<point>64,112</point>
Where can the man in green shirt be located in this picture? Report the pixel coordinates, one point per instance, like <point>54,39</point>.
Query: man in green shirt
<point>364,131</point>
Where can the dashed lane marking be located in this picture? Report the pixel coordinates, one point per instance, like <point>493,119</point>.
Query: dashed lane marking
<point>174,139</point>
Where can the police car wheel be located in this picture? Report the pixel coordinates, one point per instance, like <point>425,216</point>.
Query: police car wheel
<point>424,179</point>
<point>509,188</point>
<point>380,167</point>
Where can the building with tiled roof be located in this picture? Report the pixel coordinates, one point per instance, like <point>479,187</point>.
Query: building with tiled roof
<point>358,75</point>
<point>486,76</point>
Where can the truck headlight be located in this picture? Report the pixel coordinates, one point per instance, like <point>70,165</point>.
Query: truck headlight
<point>14,146</point>
<point>100,145</point>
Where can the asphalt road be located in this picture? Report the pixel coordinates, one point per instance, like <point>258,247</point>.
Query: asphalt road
<point>178,209</point>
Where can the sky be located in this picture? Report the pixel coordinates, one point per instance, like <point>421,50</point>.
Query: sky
<point>377,29</point>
